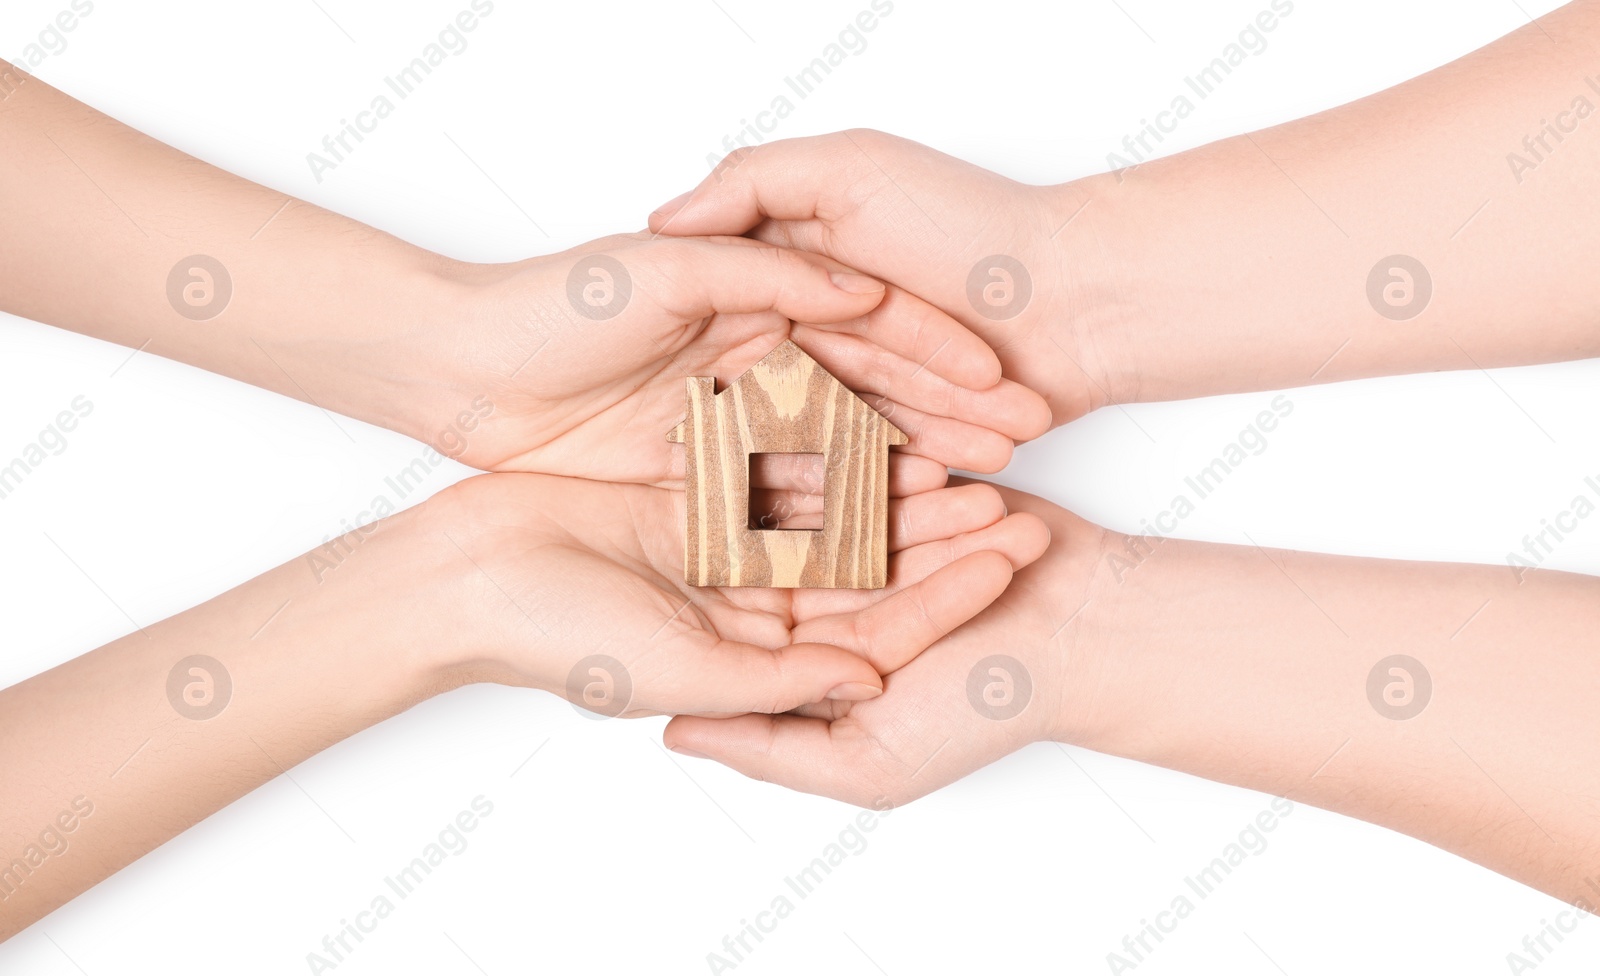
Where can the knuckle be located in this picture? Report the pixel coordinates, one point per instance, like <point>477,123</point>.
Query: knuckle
<point>776,695</point>
<point>906,522</point>
<point>946,396</point>
<point>733,163</point>
<point>673,274</point>
<point>790,272</point>
<point>860,635</point>
<point>787,263</point>
<point>778,233</point>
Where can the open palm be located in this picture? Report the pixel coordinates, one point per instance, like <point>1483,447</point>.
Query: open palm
<point>581,592</point>
<point>579,358</point>
<point>983,691</point>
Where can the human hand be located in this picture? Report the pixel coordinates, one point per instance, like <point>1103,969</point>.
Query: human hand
<point>577,588</point>
<point>578,359</point>
<point>981,247</point>
<point>571,363</point>
<point>570,586</point>
<point>988,688</point>
<point>1347,683</point>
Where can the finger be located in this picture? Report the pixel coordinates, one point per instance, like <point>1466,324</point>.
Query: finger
<point>786,491</point>
<point>805,754</point>
<point>782,509</point>
<point>934,515</point>
<point>1005,406</point>
<point>790,472</point>
<point>924,517</point>
<point>692,279</point>
<point>730,677</point>
<point>954,443</point>
<point>828,711</point>
<point>1021,537</point>
<point>910,474</point>
<point>907,327</point>
<point>891,632</point>
<point>925,336</point>
<point>920,735</point>
<point>786,179</point>
<point>800,235</point>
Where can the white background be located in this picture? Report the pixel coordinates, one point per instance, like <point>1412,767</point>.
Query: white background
<point>605,853</point>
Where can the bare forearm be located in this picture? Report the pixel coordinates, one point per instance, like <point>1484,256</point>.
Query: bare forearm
<point>1278,671</point>
<point>1246,264</point>
<point>118,236</point>
<point>112,754</point>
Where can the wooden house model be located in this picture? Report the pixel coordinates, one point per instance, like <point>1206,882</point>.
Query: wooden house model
<point>785,404</point>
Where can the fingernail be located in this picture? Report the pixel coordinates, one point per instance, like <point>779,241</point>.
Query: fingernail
<point>855,284</point>
<point>854,691</point>
<point>671,206</point>
<point>680,750</point>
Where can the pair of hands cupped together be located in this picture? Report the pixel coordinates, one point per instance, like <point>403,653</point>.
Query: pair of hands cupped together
<point>573,545</point>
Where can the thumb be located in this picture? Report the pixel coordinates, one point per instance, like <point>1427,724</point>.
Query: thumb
<point>694,279</point>
<point>789,750</point>
<point>726,677</point>
<point>784,180</point>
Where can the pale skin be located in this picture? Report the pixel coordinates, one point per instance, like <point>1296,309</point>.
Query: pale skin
<point>514,577</point>
<point>329,310</point>
<point>1211,271</point>
<point>1162,665</point>
<point>1240,266</point>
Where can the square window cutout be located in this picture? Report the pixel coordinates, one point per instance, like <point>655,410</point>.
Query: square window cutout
<point>786,492</point>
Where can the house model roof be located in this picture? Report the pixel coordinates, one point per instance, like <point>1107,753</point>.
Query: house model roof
<point>784,404</point>
<point>788,378</point>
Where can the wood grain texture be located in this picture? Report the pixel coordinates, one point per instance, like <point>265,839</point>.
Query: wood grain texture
<point>785,404</point>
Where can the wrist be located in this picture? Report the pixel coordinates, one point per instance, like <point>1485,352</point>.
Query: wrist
<point>1180,263</point>
<point>1116,591</point>
<point>328,310</point>
<point>378,343</point>
<point>395,598</point>
<point>1064,610</point>
<point>1084,656</point>
<point>1080,340</point>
